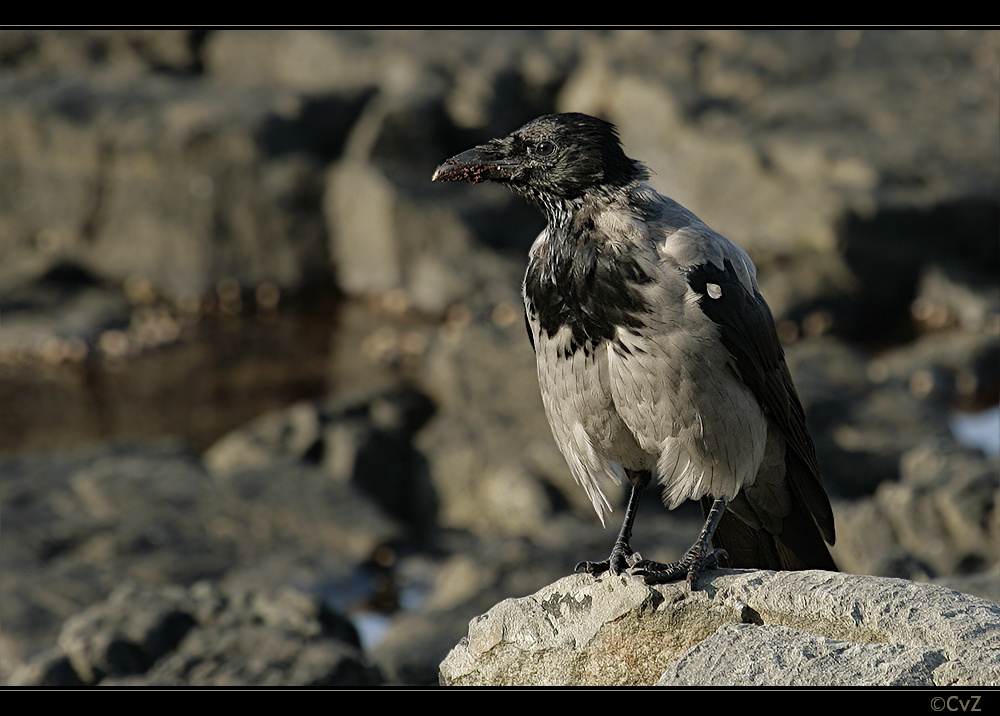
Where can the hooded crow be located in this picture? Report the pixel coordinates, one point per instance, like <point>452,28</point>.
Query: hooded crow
<point>657,356</point>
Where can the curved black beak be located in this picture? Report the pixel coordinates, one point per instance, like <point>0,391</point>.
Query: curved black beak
<point>474,165</point>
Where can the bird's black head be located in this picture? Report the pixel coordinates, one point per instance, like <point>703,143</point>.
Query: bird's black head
<point>554,158</point>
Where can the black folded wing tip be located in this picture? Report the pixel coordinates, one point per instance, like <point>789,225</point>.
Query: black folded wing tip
<point>746,329</point>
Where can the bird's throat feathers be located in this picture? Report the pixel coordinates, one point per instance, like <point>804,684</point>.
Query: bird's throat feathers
<point>581,279</point>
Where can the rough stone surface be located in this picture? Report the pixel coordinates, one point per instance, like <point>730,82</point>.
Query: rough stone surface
<point>739,628</point>
<point>749,655</point>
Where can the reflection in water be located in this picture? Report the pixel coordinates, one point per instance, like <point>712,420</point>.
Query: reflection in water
<point>230,369</point>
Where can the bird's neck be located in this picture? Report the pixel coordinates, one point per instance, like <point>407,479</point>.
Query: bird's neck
<point>560,212</point>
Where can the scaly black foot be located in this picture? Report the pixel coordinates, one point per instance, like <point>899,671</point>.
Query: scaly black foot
<point>619,561</point>
<point>622,555</point>
<point>697,560</point>
<point>700,558</point>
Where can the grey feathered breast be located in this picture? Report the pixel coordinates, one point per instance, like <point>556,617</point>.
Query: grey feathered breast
<point>632,373</point>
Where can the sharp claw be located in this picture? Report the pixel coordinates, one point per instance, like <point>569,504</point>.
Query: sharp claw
<point>592,567</point>
<point>642,566</point>
<point>714,558</point>
<point>621,560</point>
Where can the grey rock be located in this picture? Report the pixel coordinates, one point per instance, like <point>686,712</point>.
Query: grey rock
<point>204,636</point>
<point>740,628</point>
<point>93,135</point>
<point>115,638</point>
<point>59,317</point>
<point>751,655</point>
<point>48,668</point>
<point>361,439</point>
<point>46,52</point>
<point>257,656</point>
<point>384,240</point>
<point>940,517</point>
<point>86,521</point>
<point>961,294</point>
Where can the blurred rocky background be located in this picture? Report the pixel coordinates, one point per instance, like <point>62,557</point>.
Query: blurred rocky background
<point>268,413</point>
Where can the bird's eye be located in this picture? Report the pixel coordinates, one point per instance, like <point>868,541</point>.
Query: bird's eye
<point>544,148</point>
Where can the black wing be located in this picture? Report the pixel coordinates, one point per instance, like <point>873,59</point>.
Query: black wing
<point>746,328</point>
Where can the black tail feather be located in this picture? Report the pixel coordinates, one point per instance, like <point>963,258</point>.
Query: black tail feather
<point>799,546</point>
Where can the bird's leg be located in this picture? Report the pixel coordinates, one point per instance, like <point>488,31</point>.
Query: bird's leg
<point>622,552</point>
<point>701,557</point>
